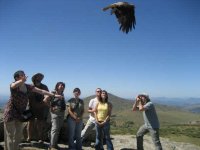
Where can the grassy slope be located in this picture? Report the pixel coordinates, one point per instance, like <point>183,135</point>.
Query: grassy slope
<point>122,111</point>
<point>172,120</point>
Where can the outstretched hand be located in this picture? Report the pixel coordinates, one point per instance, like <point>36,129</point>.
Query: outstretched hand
<point>59,96</point>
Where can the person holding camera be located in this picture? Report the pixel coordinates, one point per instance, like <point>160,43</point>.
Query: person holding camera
<point>151,122</point>
<point>15,107</point>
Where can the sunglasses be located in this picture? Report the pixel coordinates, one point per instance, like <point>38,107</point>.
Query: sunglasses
<point>98,91</point>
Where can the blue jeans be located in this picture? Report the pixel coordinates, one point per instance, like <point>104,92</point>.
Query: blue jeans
<point>100,131</point>
<point>154,135</point>
<point>74,130</point>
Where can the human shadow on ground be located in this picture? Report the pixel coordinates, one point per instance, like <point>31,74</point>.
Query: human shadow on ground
<point>34,144</point>
<point>128,149</point>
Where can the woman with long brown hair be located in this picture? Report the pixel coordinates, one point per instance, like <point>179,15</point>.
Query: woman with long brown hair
<point>58,107</point>
<point>102,114</point>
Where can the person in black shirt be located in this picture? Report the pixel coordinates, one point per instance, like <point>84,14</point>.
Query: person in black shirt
<point>39,110</point>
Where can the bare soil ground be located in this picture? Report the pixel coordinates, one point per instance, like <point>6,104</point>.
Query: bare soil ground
<point>120,142</point>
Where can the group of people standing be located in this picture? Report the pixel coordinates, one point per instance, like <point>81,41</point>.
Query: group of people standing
<point>41,102</point>
<point>22,96</point>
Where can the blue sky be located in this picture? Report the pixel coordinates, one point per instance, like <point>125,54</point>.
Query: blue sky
<point>74,41</point>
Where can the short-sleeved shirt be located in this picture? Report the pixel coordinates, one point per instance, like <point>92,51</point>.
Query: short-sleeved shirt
<point>17,103</point>
<point>92,104</point>
<point>58,103</point>
<point>37,106</point>
<point>150,116</point>
<point>76,106</point>
<point>36,97</point>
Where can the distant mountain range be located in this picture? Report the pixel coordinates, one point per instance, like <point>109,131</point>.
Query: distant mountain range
<point>177,113</point>
<point>189,104</point>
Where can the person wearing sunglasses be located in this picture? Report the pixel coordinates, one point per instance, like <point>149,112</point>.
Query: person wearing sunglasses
<point>91,121</point>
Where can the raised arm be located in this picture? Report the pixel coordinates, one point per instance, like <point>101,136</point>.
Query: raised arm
<point>19,82</point>
<point>135,105</point>
<point>44,92</point>
<point>141,107</point>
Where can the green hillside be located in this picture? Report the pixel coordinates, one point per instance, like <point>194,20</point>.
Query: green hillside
<point>122,112</point>
<point>175,122</point>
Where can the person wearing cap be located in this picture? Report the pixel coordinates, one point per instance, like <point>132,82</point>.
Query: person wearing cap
<point>57,107</point>
<point>151,123</point>
<point>17,103</point>
<point>75,120</point>
<point>39,110</point>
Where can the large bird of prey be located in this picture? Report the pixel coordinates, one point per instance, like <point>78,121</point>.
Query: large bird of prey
<point>125,14</point>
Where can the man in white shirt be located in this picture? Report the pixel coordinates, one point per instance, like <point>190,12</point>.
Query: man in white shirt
<point>91,121</point>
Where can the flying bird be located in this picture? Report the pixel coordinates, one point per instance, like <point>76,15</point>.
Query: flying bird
<point>125,14</point>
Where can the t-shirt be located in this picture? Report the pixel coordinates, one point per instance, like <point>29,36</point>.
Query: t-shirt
<point>38,107</point>
<point>36,97</point>
<point>76,106</point>
<point>92,105</point>
<point>150,116</point>
<point>102,111</point>
<point>58,103</point>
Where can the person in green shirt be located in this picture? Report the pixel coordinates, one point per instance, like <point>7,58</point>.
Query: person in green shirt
<point>75,120</point>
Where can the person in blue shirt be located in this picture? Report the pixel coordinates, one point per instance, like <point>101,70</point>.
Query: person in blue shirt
<point>151,122</point>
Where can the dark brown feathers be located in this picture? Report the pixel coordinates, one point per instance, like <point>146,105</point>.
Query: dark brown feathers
<point>125,14</point>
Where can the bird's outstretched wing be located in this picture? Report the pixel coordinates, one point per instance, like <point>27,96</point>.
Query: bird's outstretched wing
<point>125,14</point>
